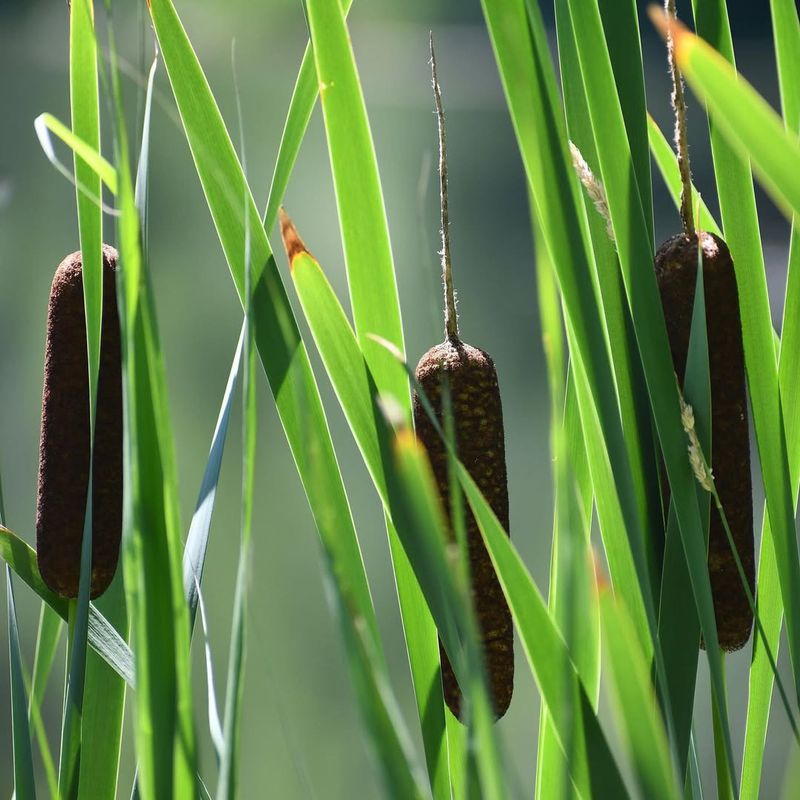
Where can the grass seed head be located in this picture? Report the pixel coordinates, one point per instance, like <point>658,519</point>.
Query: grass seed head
<point>64,444</point>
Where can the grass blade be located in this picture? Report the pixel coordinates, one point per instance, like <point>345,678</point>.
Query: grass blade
<point>84,101</point>
<point>357,395</point>
<point>151,526</point>
<point>636,702</point>
<point>278,340</point>
<point>227,782</point>
<point>356,391</point>
<point>740,223</point>
<point>634,402</point>
<point>48,637</point>
<point>214,724</point>
<point>743,117</point>
<point>376,310</point>
<point>570,556</point>
<point>194,553</point>
<point>24,783</point>
<point>776,154</point>
<point>786,29</point>
<point>621,26</point>
<point>301,106</point>
<point>529,82</point>
<point>635,248</point>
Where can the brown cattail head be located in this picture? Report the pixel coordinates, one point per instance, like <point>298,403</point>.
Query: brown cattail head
<point>478,429</point>
<point>64,445</point>
<point>676,272</point>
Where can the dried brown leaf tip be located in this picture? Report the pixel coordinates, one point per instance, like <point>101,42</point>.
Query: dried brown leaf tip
<point>480,442</point>
<point>292,242</point>
<point>64,446</point>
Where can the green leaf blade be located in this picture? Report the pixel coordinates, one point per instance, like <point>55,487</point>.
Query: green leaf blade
<point>278,341</point>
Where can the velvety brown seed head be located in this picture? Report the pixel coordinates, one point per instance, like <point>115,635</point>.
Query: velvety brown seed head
<point>64,443</point>
<point>676,271</point>
<point>478,425</point>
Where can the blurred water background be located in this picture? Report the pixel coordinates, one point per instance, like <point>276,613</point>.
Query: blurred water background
<point>301,733</point>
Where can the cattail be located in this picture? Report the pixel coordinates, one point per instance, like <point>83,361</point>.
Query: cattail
<point>478,431</point>
<point>676,273</point>
<point>64,445</point>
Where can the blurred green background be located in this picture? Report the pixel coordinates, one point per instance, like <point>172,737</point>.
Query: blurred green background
<point>302,736</point>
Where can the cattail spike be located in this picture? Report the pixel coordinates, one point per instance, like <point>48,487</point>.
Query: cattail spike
<point>676,273</point>
<point>681,143</point>
<point>450,316</point>
<point>64,450</point>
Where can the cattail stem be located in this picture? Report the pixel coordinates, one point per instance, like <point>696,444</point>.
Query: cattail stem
<point>681,143</point>
<point>450,316</point>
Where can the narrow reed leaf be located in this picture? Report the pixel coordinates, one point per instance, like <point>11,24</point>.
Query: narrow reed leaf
<point>357,396</point>
<point>84,105</point>
<point>142,187</point>
<point>24,782</point>
<point>636,703</point>
<point>621,27</point>
<point>278,340</point>
<point>376,310</point>
<point>362,215</point>
<point>404,776</point>
<point>724,786</point>
<point>104,700</point>
<point>786,31</point>
<point>21,557</point>
<point>786,35</point>
<point>740,224</point>
<point>48,636</point>
<point>752,127</point>
<point>301,105</point>
<point>634,402</point>
<point>744,118</point>
<point>194,553</point>
<point>570,553</point>
<point>634,247</point>
<point>227,780</point>
<point>523,58</point>
<point>214,724</point>
<point>164,726</point>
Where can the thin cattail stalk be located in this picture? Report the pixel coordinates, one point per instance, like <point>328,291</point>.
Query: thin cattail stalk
<point>450,316</point>
<point>681,142</point>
